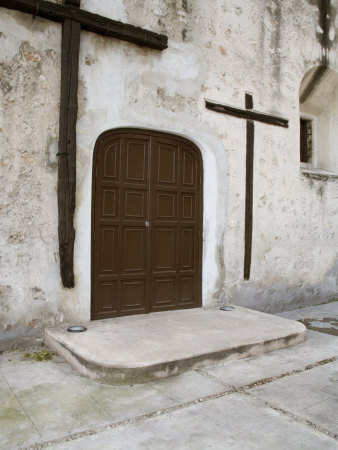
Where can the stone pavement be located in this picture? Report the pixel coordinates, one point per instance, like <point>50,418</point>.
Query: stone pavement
<point>279,400</point>
<point>322,318</point>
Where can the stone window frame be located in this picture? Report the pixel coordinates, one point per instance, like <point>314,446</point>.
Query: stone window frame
<point>316,109</point>
<point>310,169</point>
<point>313,163</point>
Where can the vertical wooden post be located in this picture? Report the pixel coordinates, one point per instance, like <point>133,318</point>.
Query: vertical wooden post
<point>250,134</point>
<point>67,145</point>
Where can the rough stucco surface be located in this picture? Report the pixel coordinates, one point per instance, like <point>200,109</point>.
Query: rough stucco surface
<point>218,50</point>
<point>29,87</point>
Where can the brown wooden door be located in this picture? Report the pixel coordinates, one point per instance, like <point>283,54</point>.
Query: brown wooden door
<point>147,223</point>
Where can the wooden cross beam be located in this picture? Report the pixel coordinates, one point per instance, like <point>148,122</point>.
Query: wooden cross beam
<point>74,19</point>
<point>251,116</point>
<point>88,21</point>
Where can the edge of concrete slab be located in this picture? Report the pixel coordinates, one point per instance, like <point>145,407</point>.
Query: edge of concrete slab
<point>122,375</point>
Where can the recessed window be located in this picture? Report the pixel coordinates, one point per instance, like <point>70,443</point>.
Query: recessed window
<point>318,106</point>
<point>305,140</point>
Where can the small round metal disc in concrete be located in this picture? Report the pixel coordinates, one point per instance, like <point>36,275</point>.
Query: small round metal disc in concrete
<point>227,308</point>
<point>76,329</point>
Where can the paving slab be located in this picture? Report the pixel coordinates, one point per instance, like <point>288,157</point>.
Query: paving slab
<point>324,378</point>
<point>138,349</point>
<point>15,425</point>
<point>323,318</point>
<point>62,408</point>
<point>190,386</point>
<point>235,421</point>
<point>45,400</point>
<point>324,413</point>
<point>126,402</point>
<point>24,373</point>
<point>315,312</point>
<point>290,394</point>
<point>311,395</point>
<point>317,347</point>
<point>50,405</point>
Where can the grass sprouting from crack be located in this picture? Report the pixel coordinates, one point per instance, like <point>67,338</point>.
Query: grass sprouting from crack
<point>44,355</point>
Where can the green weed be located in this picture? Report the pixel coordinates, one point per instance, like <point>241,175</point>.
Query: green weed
<point>43,355</point>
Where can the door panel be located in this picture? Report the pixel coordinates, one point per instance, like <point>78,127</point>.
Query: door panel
<point>187,245</point>
<point>107,292</point>
<point>164,255</point>
<point>133,293</point>
<point>189,169</point>
<point>147,222</point>
<point>108,242</point>
<point>136,161</point>
<point>165,163</point>
<point>109,203</point>
<point>188,206</point>
<point>111,165</point>
<point>166,205</point>
<point>187,290</point>
<point>135,205</point>
<point>134,250</point>
<point>164,293</point>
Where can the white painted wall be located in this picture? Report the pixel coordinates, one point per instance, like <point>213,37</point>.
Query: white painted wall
<point>259,47</point>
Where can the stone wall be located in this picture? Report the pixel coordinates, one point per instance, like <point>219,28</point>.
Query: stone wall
<point>29,97</point>
<point>218,50</point>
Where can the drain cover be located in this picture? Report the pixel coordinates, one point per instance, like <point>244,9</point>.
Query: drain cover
<point>227,308</point>
<point>76,329</point>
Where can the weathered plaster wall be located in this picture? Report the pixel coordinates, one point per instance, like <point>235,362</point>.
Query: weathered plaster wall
<point>29,91</point>
<point>263,48</point>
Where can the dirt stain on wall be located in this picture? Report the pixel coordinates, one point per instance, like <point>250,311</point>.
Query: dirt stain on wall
<point>326,33</point>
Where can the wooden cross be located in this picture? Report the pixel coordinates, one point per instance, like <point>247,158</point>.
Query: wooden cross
<point>74,19</point>
<point>251,116</point>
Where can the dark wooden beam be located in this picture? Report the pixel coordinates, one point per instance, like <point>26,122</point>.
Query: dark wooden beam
<point>89,21</point>
<point>250,137</point>
<point>67,148</point>
<point>74,19</point>
<point>247,114</point>
<point>251,116</point>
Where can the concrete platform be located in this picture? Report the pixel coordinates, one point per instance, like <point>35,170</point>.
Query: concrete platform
<point>138,349</point>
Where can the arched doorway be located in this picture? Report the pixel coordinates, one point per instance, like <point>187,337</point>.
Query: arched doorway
<point>146,223</point>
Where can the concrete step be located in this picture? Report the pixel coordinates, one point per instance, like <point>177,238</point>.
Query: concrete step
<point>142,348</point>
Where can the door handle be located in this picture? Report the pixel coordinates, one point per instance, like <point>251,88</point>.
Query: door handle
<point>147,224</point>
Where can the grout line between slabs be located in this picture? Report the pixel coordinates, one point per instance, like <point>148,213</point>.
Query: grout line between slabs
<point>294,416</point>
<point>241,390</point>
<point>24,410</point>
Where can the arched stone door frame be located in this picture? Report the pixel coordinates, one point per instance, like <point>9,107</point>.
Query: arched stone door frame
<point>172,180</point>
